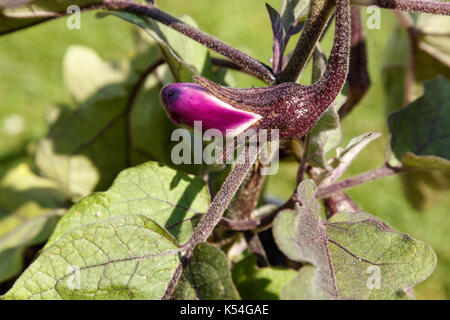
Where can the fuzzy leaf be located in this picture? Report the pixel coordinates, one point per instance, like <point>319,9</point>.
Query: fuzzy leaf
<point>28,214</point>
<point>119,244</point>
<point>124,257</point>
<point>256,283</point>
<point>277,31</point>
<point>353,255</point>
<point>171,198</point>
<point>421,131</point>
<point>207,277</point>
<point>326,133</point>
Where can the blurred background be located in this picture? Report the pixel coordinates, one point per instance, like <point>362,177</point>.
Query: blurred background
<point>31,83</point>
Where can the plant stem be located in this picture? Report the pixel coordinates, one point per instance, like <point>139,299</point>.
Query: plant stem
<point>434,7</point>
<point>324,192</point>
<point>214,214</point>
<point>221,201</point>
<point>247,196</point>
<point>249,63</point>
<point>339,202</point>
<point>318,15</point>
<point>228,64</point>
<point>384,171</point>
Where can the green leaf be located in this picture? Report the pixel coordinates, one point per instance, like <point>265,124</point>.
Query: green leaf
<point>85,73</point>
<point>256,283</point>
<point>124,257</point>
<point>173,199</point>
<point>206,277</point>
<point>324,136</point>
<point>16,16</point>
<point>420,132</point>
<point>345,156</point>
<point>28,214</point>
<point>326,133</point>
<point>185,57</point>
<point>122,243</point>
<point>352,255</point>
<point>431,59</point>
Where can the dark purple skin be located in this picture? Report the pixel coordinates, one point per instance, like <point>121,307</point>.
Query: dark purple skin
<point>292,108</point>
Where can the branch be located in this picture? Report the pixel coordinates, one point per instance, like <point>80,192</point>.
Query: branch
<point>318,15</point>
<point>339,202</point>
<point>324,192</point>
<point>434,7</point>
<point>224,63</point>
<point>248,194</point>
<point>249,63</point>
<point>384,171</point>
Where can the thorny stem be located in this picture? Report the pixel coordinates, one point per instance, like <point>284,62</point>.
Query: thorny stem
<point>318,15</point>
<point>222,199</point>
<point>249,63</point>
<point>209,221</point>
<point>248,194</point>
<point>423,6</point>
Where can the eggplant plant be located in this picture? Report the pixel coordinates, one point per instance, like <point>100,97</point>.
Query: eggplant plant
<point>129,207</point>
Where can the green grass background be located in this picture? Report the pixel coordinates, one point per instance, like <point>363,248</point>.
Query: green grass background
<point>31,82</point>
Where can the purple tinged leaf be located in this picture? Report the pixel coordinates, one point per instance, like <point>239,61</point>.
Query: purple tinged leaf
<point>278,41</point>
<point>294,29</point>
<point>186,103</point>
<point>345,252</point>
<point>292,11</point>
